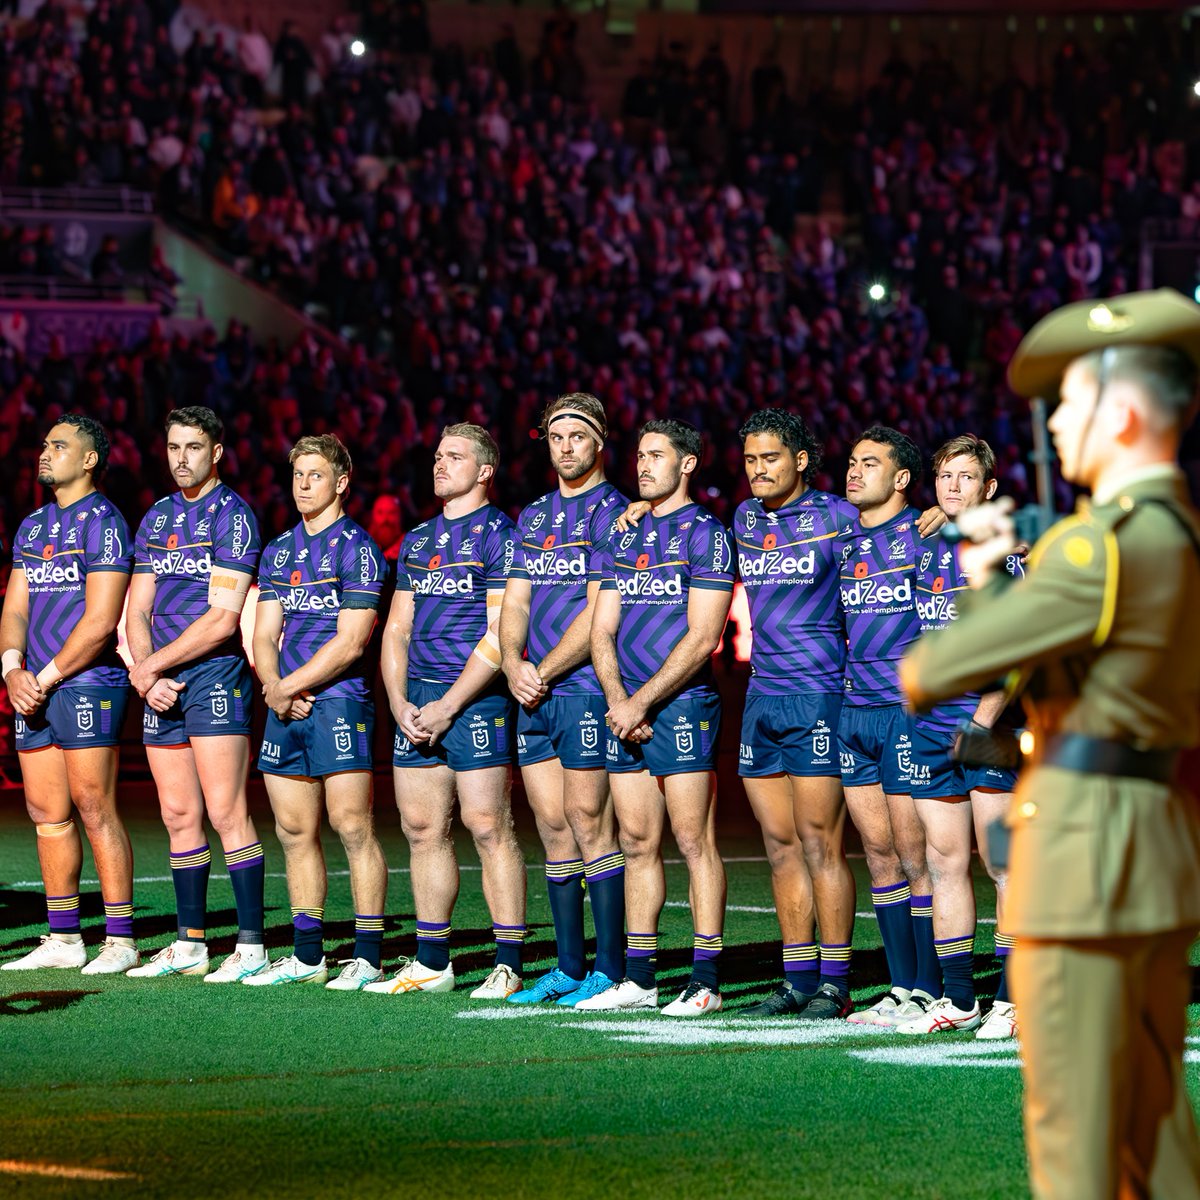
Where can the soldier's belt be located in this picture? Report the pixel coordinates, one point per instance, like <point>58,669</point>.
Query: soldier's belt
<point>1102,756</point>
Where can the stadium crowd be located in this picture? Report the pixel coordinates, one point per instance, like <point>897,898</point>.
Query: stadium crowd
<point>520,244</point>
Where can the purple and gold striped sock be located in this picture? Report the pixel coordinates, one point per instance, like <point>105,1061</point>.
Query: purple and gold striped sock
<point>308,929</point>
<point>368,937</point>
<point>641,958</point>
<point>433,944</point>
<point>189,874</point>
<point>706,954</point>
<point>62,913</point>
<point>1004,949</point>
<point>246,874</point>
<point>118,919</point>
<point>835,964</point>
<point>510,941</point>
<point>956,957</point>
<point>800,966</point>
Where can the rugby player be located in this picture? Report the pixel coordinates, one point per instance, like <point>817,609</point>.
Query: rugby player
<point>58,646</point>
<point>664,598</point>
<point>789,560</point>
<point>874,738</point>
<point>194,561</point>
<point>547,616</point>
<point>319,589</point>
<point>949,797</point>
<point>455,719</point>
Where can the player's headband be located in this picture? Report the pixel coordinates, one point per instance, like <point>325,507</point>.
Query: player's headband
<point>567,414</point>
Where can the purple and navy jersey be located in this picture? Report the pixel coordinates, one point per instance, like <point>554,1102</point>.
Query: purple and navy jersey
<point>654,567</point>
<point>58,548</point>
<point>181,541</point>
<point>559,541</point>
<point>789,560</point>
<point>939,582</point>
<point>879,600</point>
<point>312,578</point>
<point>450,565</point>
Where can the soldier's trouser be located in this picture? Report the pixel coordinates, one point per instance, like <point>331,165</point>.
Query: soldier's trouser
<point>1102,1025</point>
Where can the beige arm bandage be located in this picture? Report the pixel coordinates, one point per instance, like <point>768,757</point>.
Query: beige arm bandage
<point>488,648</point>
<point>49,675</point>
<point>11,660</point>
<point>228,589</point>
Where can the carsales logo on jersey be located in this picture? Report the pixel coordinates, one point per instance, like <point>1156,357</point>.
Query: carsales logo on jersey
<point>777,562</point>
<point>176,562</point>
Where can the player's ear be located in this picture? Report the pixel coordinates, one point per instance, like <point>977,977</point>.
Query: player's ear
<point>989,488</point>
<point>689,463</point>
<point>487,472</point>
<point>802,461</point>
<point>903,478</point>
<point>343,482</point>
<point>218,452</point>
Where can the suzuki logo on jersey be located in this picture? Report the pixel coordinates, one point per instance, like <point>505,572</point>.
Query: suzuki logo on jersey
<point>776,562</point>
<point>54,529</point>
<point>865,592</point>
<point>556,564</point>
<point>51,573</point>
<point>947,559</point>
<point>936,610</point>
<point>641,585</point>
<point>559,519</point>
<point>302,555</point>
<point>443,539</point>
<point>177,562</point>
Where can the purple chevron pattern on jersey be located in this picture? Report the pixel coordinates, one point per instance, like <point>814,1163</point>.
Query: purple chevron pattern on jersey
<point>310,577</point>
<point>879,600</point>
<point>789,560</point>
<point>559,542</point>
<point>57,548</point>
<point>450,565</point>
<point>180,541</point>
<point>939,582</point>
<point>654,567</point>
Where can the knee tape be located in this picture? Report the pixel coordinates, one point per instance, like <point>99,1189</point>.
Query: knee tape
<point>55,830</point>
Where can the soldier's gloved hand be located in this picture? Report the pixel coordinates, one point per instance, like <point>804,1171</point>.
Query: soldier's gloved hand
<point>990,537</point>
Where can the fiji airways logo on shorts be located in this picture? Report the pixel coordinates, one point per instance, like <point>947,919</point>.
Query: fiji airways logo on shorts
<point>149,721</point>
<point>402,745</point>
<point>745,755</point>
<point>612,748</point>
<point>272,752</point>
<point>904,755</point>
<point>821,742</point>
<point>846,761</point>
<point>919,775</point>
<point>21,727</point>
<point>521,744</point>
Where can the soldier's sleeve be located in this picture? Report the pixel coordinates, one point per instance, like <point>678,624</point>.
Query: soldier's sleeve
<point>1063,605</point>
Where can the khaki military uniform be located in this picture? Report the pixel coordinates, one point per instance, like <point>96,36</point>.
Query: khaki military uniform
<point>1104,874</point>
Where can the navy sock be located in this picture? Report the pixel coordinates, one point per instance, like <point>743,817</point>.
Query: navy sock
<point>1004,949</point>
<point>641,959</point>
<point>706,952</point>
<point>189,874</point>
<point>246,870</point>
<point>307,935</point>
<point>956,957</point>
<point>835,965</point>
<point>929,974</point>
<point>896,929</point>
<point>564,885</point>
<point>368,937</point>
<point>433,944</point>
<point>606,890</point>
<point>510,939</point>
<point>801,967</point>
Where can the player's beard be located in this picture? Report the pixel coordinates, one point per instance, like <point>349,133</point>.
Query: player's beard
<point>652,490</point>
<point>46,478</point>
<point>579,468</point>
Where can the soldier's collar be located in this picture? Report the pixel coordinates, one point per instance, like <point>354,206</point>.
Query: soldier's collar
<point>1131,478</point>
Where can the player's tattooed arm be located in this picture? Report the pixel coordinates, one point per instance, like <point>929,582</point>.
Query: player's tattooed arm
<point>524,680</point>
<point>26,694</point>
<point>397,633</point>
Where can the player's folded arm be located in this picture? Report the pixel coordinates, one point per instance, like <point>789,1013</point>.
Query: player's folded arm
<point>1063,606</point>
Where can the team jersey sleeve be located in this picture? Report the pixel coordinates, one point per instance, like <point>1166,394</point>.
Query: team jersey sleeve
<point>141,546</point>
<point>500,547</point>
<point>604,526</point>
<point>404,581</point>
<point>266,587</point>
<point>602,568</point>
<point>520,562</point>
<point>236,542</point>
<point>711,553</point>
<point>19,544</point>
<point>106,544</point>
<point>362,573</point>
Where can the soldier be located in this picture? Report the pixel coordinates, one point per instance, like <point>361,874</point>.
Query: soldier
<point>1104,872</point>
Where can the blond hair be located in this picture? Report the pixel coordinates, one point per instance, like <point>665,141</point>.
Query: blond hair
<point>973,447</point>
<point>487,453</point>
<point>330,447</point>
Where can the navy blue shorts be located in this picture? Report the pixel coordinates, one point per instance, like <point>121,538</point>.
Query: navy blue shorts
<point>569,728</point>
<point>75,718</point>
<point>217,701</point>
<point>335,736</point>
<point>875,746</point>
<point>685,740</point>
<point>936,776</point>
<point>796,735</point>
<point>482,735</point>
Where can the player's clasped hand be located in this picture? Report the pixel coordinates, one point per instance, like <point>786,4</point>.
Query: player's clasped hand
<point>433,720</point>
<point>143,680</point>
<point>26,694</point>
<point>163,693</point>
<point>627,720</point>
<point>991,536</point>
<point>525,683</point>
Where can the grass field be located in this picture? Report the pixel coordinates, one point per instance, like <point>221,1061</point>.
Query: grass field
<point>173,1088</point>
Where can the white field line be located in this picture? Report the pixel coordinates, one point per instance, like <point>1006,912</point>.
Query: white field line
<point>12,1166</point>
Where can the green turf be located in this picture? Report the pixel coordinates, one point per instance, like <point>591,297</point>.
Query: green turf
<point>192,1090</point>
